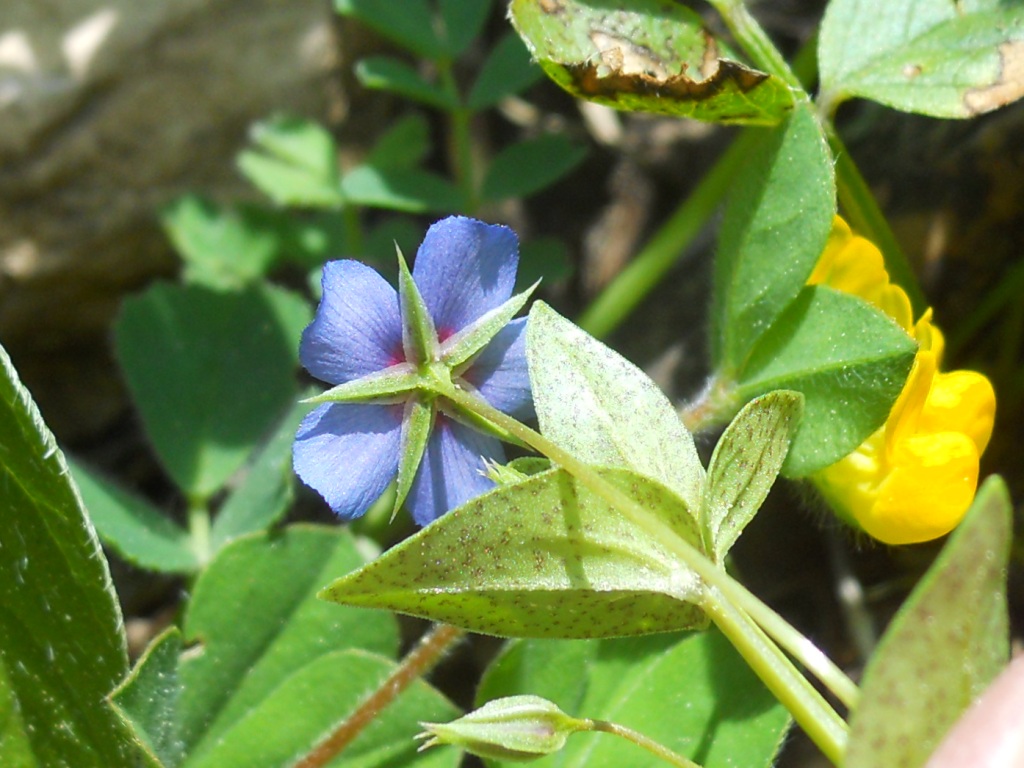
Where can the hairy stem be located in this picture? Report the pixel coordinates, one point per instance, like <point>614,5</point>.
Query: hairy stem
<point>420,660</point>
<point>659,750</point>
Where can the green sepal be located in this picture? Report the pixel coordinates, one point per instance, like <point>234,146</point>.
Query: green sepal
<point>419,337</point>
<point>517,470</point>
<point>417,420</point>
<point>460,347</point>
<point>393,381</point>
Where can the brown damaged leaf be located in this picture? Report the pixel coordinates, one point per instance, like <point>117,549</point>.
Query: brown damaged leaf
<point>630,69</point>
<point>654,56</point>
<point>1009,85</point>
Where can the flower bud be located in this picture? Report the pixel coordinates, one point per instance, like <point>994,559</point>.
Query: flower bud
<point>516,728</point>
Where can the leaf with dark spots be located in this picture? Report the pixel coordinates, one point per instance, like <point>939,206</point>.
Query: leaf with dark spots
<point>542,558</point>
<point>943,648</point>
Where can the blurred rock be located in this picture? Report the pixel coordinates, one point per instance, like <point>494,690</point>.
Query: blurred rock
<point>108,110</point>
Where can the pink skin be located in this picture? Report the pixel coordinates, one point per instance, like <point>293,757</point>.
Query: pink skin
<point>990,734</point>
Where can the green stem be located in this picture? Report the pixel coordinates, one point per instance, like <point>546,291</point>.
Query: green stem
<point>199,529</point>
<point>430,650</point>
<point>624,293</point>
<point>813,713</point>
<point>755,43</point>
<point>460,141</point>
<point>793,690</point>
<point>645,742</point>
<point>799,647</point>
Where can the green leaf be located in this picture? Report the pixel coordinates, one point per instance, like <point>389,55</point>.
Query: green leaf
<point>543,558</point>
<point>262,687</point>
<point>744,466</point>
<point>933,57</point>
<point>558,670</point>
<point>546,259</point>
<point>220,248</point>
<point>604,410</point>
<point>386,73</point>
<point>308,704</point>
<point>294,163</point>
<point>774,230</point>
<point>15,747</point>
<point>521,169</point>
<point>309,238</point>
<point>403,145</point>
<point>133,527</point>
<point>506,71</point>
<point>649,56</point>
<point>285,184</point>
<point>400,189</point>
<point>947,643</point>
<point>719,715</point>
<point>62,645</point>
<point>254,609</point>
<point>845,357</point>
<point>209,372</point>
<point>409,23</point>
<point>148,699</point>
<point>266,491</point>
<point>463,20</point>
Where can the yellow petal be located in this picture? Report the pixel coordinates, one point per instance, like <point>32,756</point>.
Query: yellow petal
<point>850,486</point>
<point>960,401</point>
<point>927,491</point>
<point>837,239</point>
<point>929,337</point>
<point>894,301</point>
<point>905,414</point>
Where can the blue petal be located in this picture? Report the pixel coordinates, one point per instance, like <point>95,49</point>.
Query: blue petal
<point>500,374</point>
<point>465,268</point>
<point>451,472</point>
<point>357,328</point>
<point>348,453</point>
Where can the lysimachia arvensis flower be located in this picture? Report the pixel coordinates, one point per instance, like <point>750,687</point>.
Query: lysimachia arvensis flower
<point>391,355</point>
<point>914,478</point>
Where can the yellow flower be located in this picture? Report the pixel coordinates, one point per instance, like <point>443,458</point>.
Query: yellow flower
<point>914,478</point>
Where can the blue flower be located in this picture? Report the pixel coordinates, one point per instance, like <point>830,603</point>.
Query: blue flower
<point>365,333</point>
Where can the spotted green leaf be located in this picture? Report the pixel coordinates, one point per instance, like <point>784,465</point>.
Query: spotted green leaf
<point>604,410</point>
<point>947,643</point>
<point>744,465</point>
<point>545,557</point>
